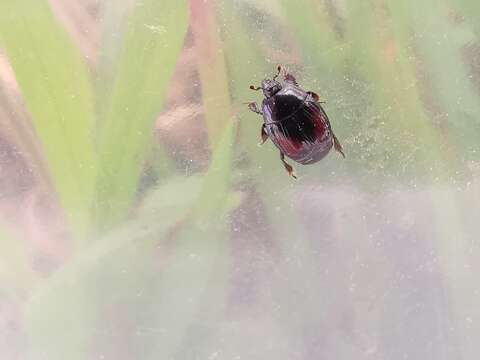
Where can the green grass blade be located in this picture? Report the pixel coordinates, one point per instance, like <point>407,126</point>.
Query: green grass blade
<point>196,275</point>
<point>322,49</point>
<point>59,302</point>
<point>211,68</point>
<point>217,181</point>
<point>153,41</point>
<point>441,47</point>
<point>55,84</point>
<point>113,28</point>
<point>383,60</point>
<point>70,284</point>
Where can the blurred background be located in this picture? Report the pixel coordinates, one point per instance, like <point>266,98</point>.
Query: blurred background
<point>140,220</point>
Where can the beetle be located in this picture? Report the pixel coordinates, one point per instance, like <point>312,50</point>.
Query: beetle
<point>295,121</point>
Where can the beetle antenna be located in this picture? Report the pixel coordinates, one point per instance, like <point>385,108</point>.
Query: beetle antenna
<point>255,88</point>
<point>279,68</point>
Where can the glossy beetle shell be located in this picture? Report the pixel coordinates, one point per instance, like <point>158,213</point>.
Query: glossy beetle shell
<point>297,124</point>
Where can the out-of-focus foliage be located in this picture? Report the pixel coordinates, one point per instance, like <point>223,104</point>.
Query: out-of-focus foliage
<point>164,256</point>
<point>146,60</point>
<point>59,97</point>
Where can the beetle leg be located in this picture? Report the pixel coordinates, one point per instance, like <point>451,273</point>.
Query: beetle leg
<point>279,68</point>
<point>314,96</point>
<point>254,107</point>
<point>264,134</point>
<point>288,167</point>
<point>289,77</point>
<point>337,145</point>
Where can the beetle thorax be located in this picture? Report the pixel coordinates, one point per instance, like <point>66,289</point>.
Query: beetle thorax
<point>270,87</point>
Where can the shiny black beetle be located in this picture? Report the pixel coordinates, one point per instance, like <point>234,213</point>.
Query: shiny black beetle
<point>295,121</point>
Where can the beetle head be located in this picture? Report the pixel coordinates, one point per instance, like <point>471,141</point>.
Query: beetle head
<point>270,87</point>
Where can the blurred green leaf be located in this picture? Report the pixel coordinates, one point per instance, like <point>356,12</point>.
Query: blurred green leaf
<point>216,188</point>
<point>385,62</point>
<point>66,299</point>
<point>69,287</point>
<point>212,69</point>
<point>116,14</point>
<point>323,50</point>
<point>154,38</point>
<point>440,43</point>
<point>59,97</point>
<point>196,273</point>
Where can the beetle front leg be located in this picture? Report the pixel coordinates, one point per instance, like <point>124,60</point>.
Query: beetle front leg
<point>254,107</point>
<point>288,167</point>
<point>290,78</point>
